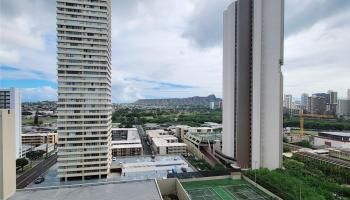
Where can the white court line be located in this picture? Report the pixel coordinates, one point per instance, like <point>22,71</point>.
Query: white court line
<point>217,193</point>
<point>230,191</point>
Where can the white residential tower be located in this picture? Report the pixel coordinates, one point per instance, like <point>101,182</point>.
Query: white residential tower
<point>84,88</point>
<point>252,83</point>
<point>11,99</point>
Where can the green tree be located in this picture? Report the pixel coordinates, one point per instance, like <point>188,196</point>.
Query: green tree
<point>36,118</point>
<point>21,162</point>
<point>304,143</point>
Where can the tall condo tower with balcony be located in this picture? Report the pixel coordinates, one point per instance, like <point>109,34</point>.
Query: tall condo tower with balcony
<point>84,88</point>
<point>11,99</point>
<point>252,83</point>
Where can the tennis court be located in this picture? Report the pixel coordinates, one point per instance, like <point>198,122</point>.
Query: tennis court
<point>224,189</point>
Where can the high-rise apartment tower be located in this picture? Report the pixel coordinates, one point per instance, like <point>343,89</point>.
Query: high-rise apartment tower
<point>288,101</point>
<point>84,88</point>
<point>304,99</point>
<point>7,153</point>
<point>252,83</point>
<point>11,99</point>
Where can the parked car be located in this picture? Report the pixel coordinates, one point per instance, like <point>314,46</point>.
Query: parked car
<point>114,159</point>
<point>39,180</point>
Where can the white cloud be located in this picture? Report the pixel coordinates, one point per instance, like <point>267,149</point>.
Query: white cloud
<point>317,59</point>
<point>25,31</point>
<point>9,56</point>
<point>39,94</point>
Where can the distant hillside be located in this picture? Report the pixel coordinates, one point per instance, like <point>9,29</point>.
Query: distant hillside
<point>190,101</point>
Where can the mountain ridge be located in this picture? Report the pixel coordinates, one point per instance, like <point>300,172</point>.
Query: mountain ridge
<point>188,101</point>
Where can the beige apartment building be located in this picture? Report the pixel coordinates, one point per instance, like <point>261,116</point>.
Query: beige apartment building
<point>84,88</point>
<point>163,143</point>
<point>126,142</point>
<point>7,153</point>
<point>182,130</point>
<point>37,139</point>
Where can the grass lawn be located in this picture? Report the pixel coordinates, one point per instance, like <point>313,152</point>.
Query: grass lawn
<point>41,119</point>
<point>306,132</point>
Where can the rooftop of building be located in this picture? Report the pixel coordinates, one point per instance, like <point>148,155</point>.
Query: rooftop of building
<point>132,137</point>
<point>156,131</point>
<point>38,134</point>
<point>133,168</point>
<point>151,125</point>
<point>162,142</point>
<point>200,128</point>
<point>206,136</point>
<point>43,147</point>
<point>135,190</point>
<point>342,134</point>
<point>145,167</point>
<point>159,133</point>
<point>126,145</point>
<point>125,129</point>
<point>347,150</point>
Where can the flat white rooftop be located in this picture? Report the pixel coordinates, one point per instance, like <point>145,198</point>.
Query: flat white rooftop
<point>162,142</point>
<point>135,190</point>
<point>38,134</point>
<point>126,146</point>
<point>132,136</point>
<point>342,134</point>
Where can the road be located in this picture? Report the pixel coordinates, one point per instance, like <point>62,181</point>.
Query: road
<point>30,175</point>
<point>146,148</point>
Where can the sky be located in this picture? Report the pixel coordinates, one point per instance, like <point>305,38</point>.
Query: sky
<point>167,48</point>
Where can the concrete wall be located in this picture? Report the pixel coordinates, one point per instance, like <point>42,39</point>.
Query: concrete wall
<point>195,151</point>
<point>209,178</point>
<point>243,83</point>
<point>261,188</point>
<point>7,153</point>
<point>172,186</point>
<point>228,111</point>
<point>267,83</point>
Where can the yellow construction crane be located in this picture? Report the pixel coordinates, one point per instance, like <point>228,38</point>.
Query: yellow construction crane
<point>302,116</point>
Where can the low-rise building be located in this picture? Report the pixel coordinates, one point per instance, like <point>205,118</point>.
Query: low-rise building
<point>212,125</point>
<point>126,142</point>
<point>45,147</point>
<point>332,139</point>
<point>343,154</point>
<point>151,126</point>
<point>343,108</point>
<point>181,130</point>
<point>26,149</point>
<point>38,139</point>
<point>163,143</point>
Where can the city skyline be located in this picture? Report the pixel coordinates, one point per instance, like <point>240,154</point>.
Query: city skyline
<point>168,43</point>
